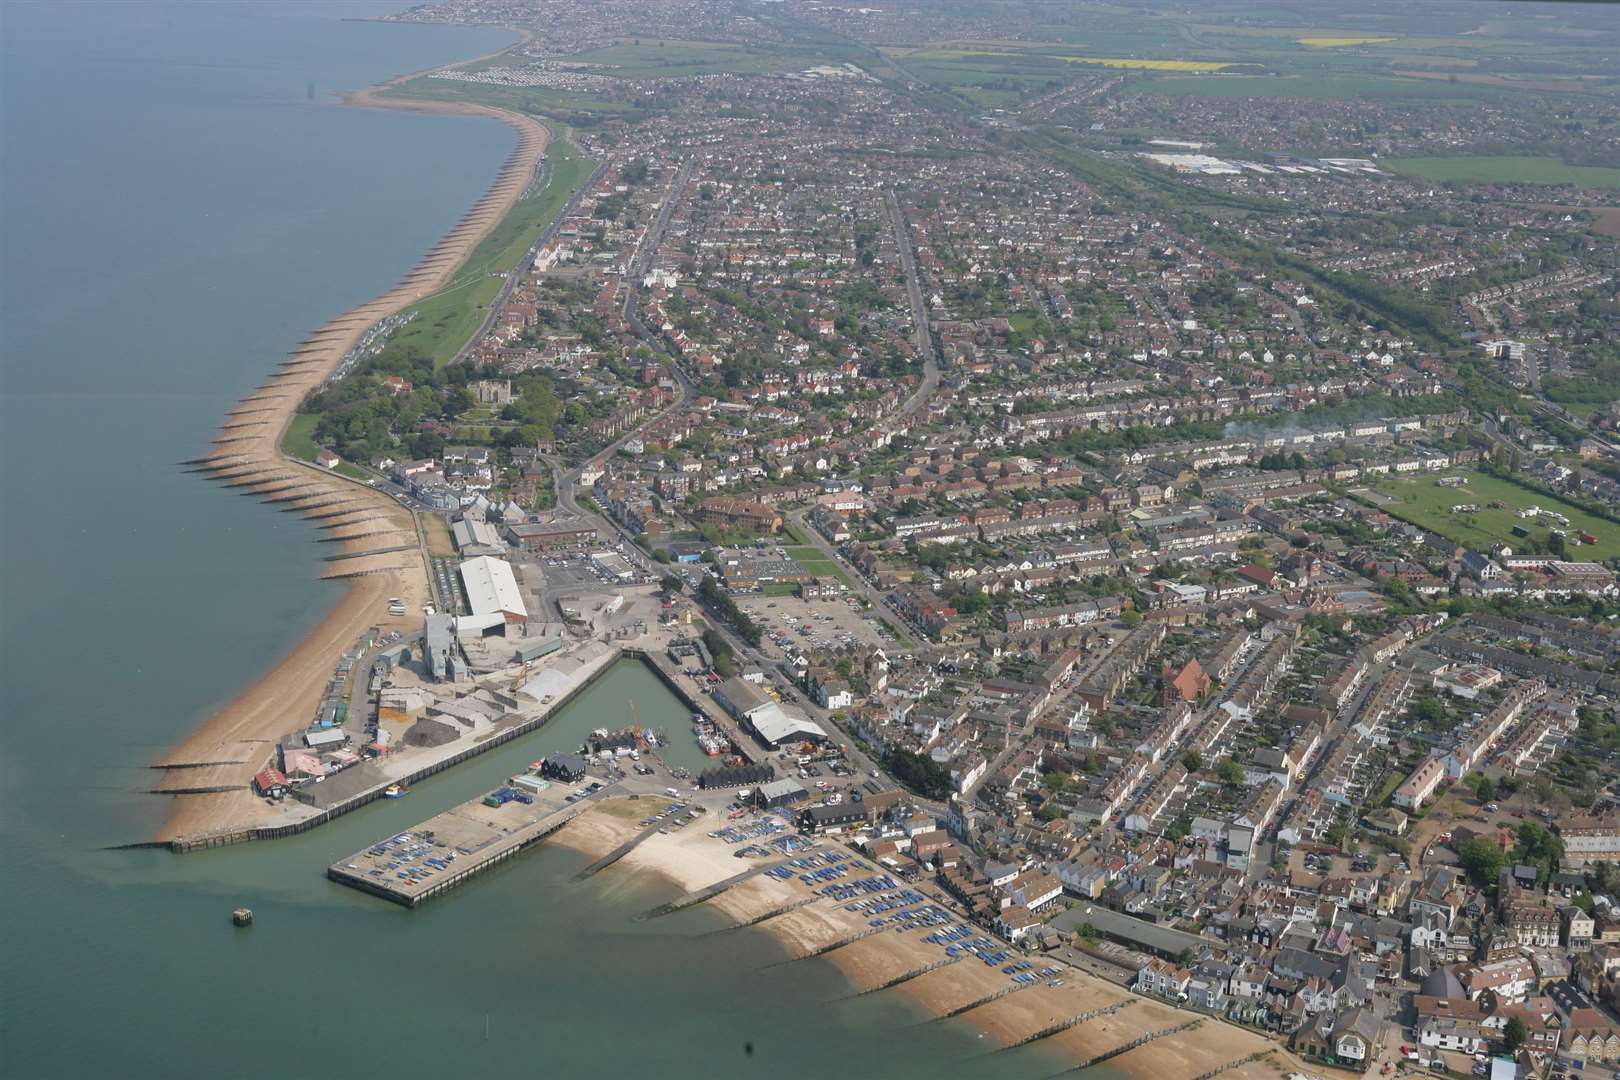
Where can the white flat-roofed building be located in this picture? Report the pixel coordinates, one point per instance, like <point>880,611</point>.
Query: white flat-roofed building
<point>492,589</point>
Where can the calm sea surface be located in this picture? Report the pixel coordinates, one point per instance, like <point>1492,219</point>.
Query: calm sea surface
<point>180,202</point>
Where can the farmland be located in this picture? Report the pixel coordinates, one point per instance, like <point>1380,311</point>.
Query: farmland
<point>1425,503</point>
<point>1506,170</point>
<point>1339,42</point>
<point>1334,87</point>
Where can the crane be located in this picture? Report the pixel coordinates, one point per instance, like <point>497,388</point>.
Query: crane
<point>635,725</point>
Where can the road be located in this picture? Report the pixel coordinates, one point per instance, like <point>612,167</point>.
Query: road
<point>820,543</point>
<point>515,275</point>
<point>567,480</point>
<point>921,338</point>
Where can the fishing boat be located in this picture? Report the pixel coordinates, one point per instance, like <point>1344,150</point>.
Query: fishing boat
<point>396,791</point>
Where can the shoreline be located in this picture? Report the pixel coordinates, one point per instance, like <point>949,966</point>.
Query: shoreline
<point>690,861</point>
<point>383,552</point>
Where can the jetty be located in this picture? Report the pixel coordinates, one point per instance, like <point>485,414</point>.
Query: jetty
<point>434,857</point>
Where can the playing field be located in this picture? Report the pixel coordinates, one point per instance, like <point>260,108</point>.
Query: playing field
<point>816,563</point>
<point>1424,502</point>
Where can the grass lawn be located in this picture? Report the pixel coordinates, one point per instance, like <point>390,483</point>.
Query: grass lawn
<point>1506,170</point>
<point>299,442</point>
<point>816,563</point>
<point>438,536</point>
<point>779,588</point>
<point>1425,503</point>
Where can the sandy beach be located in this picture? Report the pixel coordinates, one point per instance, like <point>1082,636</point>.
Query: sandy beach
<point>384,552</point>
<point>691,860</point>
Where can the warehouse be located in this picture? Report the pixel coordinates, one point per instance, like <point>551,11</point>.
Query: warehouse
<point>492,591</point>
<point>564,767</point>
<point>739,697</point>
<point>831,818</point>
<point>730,776</point>
<point>780,793</point>
<point>774,726</point>
<point>473,537</point>
<point>555,536</point>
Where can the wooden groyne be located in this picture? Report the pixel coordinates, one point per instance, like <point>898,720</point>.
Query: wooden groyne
<point>834,947</point>
<point>709,892</point>
<point>247,454</point>
<point>773,913</point>
<point>1107,1055</point>
<point>618,853</point>
<point>978,1003</point>
<point>905,977</point>
<point>1090,1014</point>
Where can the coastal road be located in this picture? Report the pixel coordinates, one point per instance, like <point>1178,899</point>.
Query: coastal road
<point>921,338</point>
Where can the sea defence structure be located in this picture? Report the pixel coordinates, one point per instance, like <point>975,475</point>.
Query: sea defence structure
<point>384,549</point>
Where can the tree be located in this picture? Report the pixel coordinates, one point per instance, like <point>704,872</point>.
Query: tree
<point>1192,760</point>
<point>1485,790</point>
<point>1513,1034</point>
<point>1482,860</point>
<point>1229,772</point>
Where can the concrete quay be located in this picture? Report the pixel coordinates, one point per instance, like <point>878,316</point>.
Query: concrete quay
<point>447,849</point>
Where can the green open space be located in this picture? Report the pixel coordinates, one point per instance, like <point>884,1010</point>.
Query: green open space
<point>1425,503</point>
<point>1506,170</point>
<point>444,321</point>
<point>299,442</point>
<point>574,108</point>
<point>1311,86</point>
<point>652,58</point>
<point>814,562</point>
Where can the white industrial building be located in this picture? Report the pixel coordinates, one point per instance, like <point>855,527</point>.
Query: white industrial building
<point>492,595</point>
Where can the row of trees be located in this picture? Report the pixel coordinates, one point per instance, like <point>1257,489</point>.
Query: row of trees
<point>710,592</point>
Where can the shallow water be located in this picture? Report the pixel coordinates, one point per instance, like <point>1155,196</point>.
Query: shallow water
<point>181,201</point>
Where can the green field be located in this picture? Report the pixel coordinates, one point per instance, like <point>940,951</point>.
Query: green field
<point>446,320</point>
<point>539,101</point>
<point>816,563</point>
<point>1303,86</point>
<point>648,58</point>
<point>299,442</point>
<point>1425,503</point>
<point>1506,170</point>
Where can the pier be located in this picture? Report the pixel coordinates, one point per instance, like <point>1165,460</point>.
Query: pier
<point>444,851</point>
